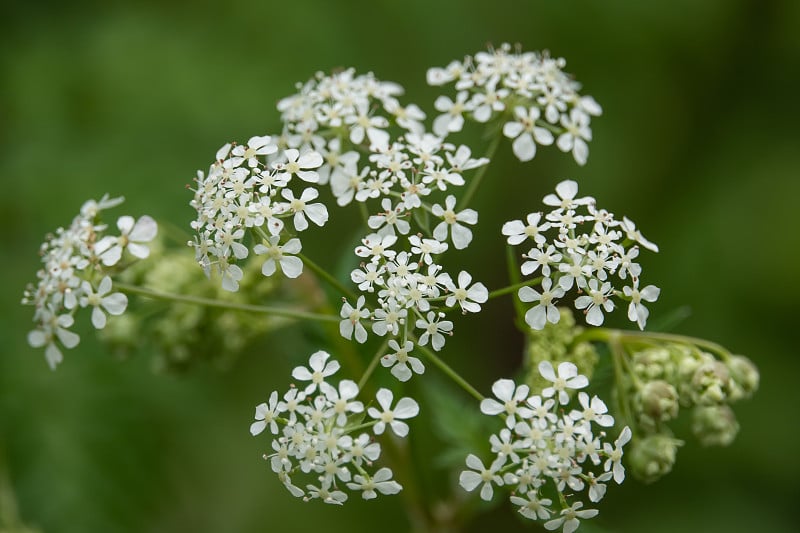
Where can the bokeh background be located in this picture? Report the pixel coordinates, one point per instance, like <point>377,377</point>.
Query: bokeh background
<point>698,144</point>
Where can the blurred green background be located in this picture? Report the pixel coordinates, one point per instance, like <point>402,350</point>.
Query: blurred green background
<point>698,144</point>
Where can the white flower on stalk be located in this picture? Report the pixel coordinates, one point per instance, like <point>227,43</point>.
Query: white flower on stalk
<point>635,235</point>
<point>452,118</point>
<point>434,328</point>
<point>256,146</point>
<point>637,312</point>
<point>470,479</point>
<point>595,302</point>
<point>377,247</point>
<point>460,235</point>
<point>380,482</point>
<point>300,165</point>
<point>133,234</point>
<point>517,231</point>
<point>569,518</point>
<point>341,401</point>
<point>564,199</point>
<point>400,361</point>
<point>406,408</point>
<point>512,401</point>
<point>317,213</point>
<point>266,413</point>
<point>389,318</point>
<point>351,323</point>
<point>594,410</point>
<point>526,133</point>
<point>389,220</point>
<point>319,370</point>
<point>614,454</point>
<point>545,310</point>
<point>231,274</point>
<point>290,265</point>
<point>567,378</point>
<point>426,248</point>
<point>467,297</point>
<point>369,275</point>
<point>576,134</point>
<point>539,257</point>
<point>114,303</point>
<point>54,327</point>
<point>532,506</point>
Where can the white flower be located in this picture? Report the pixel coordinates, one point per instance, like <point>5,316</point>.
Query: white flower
<point>510,397</point>
<point>526,133</point>
<point>352,320</point>
<point>545,310</point>
<point>405,408</point>
<point>426,248</point>
<point>467,297</point>
<point>231,274</point>
<point>319,370</point>
<point>290,265</point>
<point>376,247</point>
<point>614,454</point>
<point>433,328</point>
<point>265,416</point>
<point>114,303</point>
<point>389,318</point>
<point>341,403</point>
<point>461,235</point>
<point>255,146</point>
<point>568,378</point>
<point>400,361</point>
<point>299,164</point>
<point>594,410</point>
<point>576,134</point>
<point>540,258</point>
<point>133,233</point>
<point>372,274</point>
<point>635,235</point>
<point>387,221</point>
<point>452,119</point>
<point>470,479</point>
<point>595,302</point>
<point>637,312</point>
<point>564,199</point>
<point>533,507</point>
<point>381,482</point>
<point>517,231</point>
<point>54,327</point>
<point>569,518</point>
<point>317,213</point>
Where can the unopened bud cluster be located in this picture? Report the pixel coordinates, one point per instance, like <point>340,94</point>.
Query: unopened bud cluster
<point>673,377</point>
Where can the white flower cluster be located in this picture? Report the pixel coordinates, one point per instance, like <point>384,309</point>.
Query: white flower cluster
<point>248,190</point>
<point>318,432</point>
<point>356,107</point>
<point>539,103</point>
<point>547,450</point>
<point>568,258</point>
<point>78,262</point>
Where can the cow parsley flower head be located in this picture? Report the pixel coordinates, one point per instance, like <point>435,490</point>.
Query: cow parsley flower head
<point>78,262</point>
<point>318,437</point>
<point>577,246</point>
<point>546,103</point>
<point>541,451</point>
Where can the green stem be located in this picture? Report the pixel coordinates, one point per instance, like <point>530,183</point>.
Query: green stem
<point>373,364</point>
<point>322,273</point>
<point>514,287</point>
<point>514,277</point>
<point>209,302</point>
<point>605,334</point>
<point>452,374</point>
<point>618,355</point>
<point>478,177</point>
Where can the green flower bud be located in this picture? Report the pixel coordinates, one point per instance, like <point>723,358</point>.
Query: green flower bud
<point>710,383</point>
<point>654,363</point>
<point>657,401</point>
<point>745,377</point>
<point>653,457</point>
<point>714,425</point>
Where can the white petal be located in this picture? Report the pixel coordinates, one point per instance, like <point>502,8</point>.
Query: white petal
<point>292,266</point>
<point>145,230</point>
<point>524,147</point>
<point>115,303</point>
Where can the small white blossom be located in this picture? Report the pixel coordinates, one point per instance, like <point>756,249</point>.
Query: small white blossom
<point>406,408</point>
<point>568,378</point>
<point>280,256</point>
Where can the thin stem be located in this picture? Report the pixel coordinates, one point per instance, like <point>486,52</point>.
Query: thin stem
<point>333,282</point>
<point>209,302</point>
<point>514,277</point>
<point>452,374</point>
<point>514,287</point>
<point>605,334</point>
<point>618,355</point>
<point>478,177</point>
<point>373,364</point>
